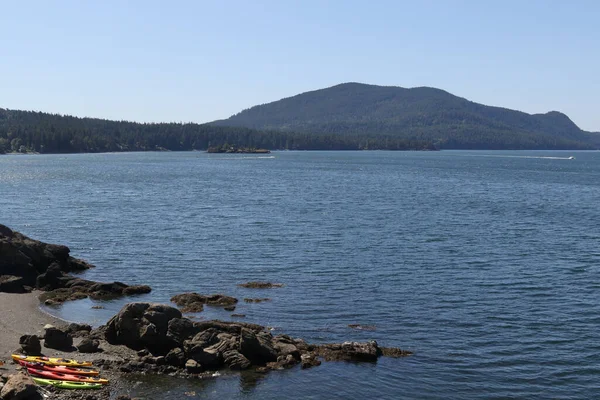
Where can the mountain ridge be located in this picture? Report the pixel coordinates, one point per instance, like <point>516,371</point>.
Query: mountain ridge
<point>424,112</point>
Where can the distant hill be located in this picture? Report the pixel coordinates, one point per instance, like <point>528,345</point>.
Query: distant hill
<point>421,113</point>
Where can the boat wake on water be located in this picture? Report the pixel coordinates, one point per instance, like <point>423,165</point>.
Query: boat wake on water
<point>509,156</point>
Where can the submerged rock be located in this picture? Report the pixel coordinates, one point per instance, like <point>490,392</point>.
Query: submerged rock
<point>350,351</point>
<point>394,352</point>
<point>247,300</point>
<point>260,285</point>
<point>362,327</point>
<point>194,302</point>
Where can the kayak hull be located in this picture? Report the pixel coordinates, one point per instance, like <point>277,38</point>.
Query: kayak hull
<point>59,368</point>
<point>66,384</point>
<point>52,361</point>
<point>66,377</point>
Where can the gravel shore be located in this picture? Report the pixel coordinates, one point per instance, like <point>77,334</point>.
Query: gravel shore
<point>20,314</point>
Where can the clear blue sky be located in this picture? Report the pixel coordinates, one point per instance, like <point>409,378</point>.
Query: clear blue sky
<point>205,60</point>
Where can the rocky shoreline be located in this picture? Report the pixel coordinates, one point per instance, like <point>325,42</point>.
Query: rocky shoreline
<point>27,264</point>
<point>149,338</point>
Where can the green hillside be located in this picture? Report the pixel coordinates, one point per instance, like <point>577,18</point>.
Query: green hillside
<point>420,113</point>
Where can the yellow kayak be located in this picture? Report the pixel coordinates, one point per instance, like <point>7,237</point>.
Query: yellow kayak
<point>52,361</point>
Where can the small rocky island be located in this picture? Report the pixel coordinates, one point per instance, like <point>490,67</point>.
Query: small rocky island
<point>144,337</point>
<point>226,148</point>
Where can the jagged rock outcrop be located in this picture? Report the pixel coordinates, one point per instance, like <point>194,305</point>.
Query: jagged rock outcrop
<point>167,343</point>
<point>26,264</point>
<point>143,325</point>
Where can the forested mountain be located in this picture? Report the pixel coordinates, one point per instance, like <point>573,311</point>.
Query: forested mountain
<point>350,116</point>
<point>420,113</point>
<point>26,131</point>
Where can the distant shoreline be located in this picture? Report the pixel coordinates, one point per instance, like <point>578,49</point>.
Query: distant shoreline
<point>295,150</point>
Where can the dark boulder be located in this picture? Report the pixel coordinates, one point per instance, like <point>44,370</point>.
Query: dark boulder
<point>13,284</point>
<point>88,345</point>
<point>309,360</point>
<point>284,345</point>
<point>58,339</point>
<point>283,362</point>
<point>201,341</point>
<point>20,387</point>
<point>52,279</point>
<point>30,345</point>
<point>207,348</point>
<point>79,330</point>
<point>235,360</point>
<point>193,367</point>
<point>208,359</point>
<point>180,330</point>
<point>175,357</point>
<point>13,262</point>
<point>257,347</point>
<point>143,325</point>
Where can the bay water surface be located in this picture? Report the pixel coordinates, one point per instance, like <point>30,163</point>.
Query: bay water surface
<point>485,264</point>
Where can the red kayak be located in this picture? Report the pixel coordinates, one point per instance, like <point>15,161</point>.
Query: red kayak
<point>65,377</point>
<point>59,369</point>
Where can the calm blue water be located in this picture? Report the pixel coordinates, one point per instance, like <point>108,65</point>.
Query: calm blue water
<point>485,264</point>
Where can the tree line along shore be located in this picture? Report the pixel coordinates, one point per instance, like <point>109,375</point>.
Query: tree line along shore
<point>36,132</point>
